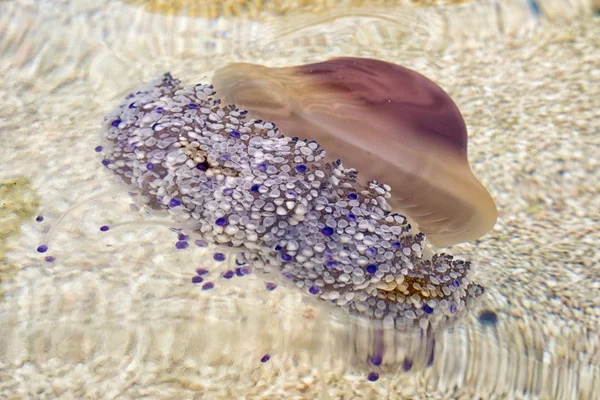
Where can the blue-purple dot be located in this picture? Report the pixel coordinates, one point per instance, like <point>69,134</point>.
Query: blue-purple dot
<point>193,106</point>
<point>371,268</point>
<point>159,110</point>
<point>351,217</point>
<point>270,286</point>
<point>456,283</point>
<point>174,203</point>
<point>235,134</point>
<point>98,149</point>
<point>105,162</point>
<point>278,248</point>
<point>197,279</point>
<point>488,317</point>
<point>132,105</point>
<point>286,257</point>
<point>397,244</point>
<point>201,271</point>
<point>149,166</point>
<point>116,122</point>
<point>263,166</point>
<point>221,221</point>
<point>331,264</point>
<point>182,236</point>
<point>203,166</point>
<point>313,290</point>
<point>373,376</point>
<point>228,191</point>
<point>42,248</point>
<point>228,274</point>
<point>453,308</point>
<point>240,262</point>
<point>376,360</point>
<point>265,358</point>
<point>50,259</point>
<point>104,228</point>
<point>327,231</point>
<point>407,364</point>
<point>255,188</point>
<point>301,168</point>
<point>371,252</point>
<point>208,286</point>
<point>39,218</point>
<point>353,196</point>
<point>427,309</point>
<point>219,257</point>
<point>182,245</point>
<point>240,271</point>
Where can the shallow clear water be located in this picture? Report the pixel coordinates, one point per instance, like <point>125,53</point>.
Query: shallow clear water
<point>115,315</point>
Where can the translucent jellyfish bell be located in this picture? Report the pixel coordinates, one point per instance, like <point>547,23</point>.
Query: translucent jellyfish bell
<point>388,122</point>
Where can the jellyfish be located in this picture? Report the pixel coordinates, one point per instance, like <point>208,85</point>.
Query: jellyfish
<point>298,219</point>
<point>388,122</point>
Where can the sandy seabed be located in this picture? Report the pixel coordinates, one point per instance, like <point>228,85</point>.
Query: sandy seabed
<point>115,315</point>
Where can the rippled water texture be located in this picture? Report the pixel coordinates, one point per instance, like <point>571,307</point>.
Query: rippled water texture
<point>126,311</point>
